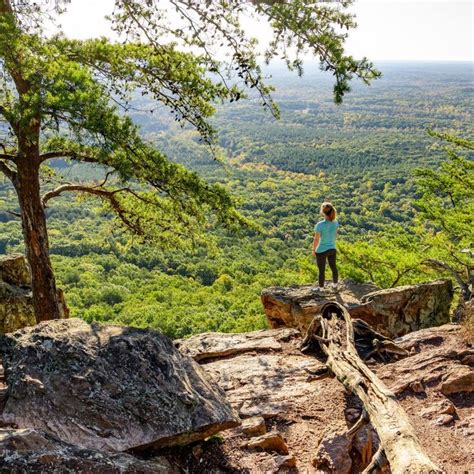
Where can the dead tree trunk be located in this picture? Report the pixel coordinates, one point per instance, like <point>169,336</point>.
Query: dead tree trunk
<point>397,437</point>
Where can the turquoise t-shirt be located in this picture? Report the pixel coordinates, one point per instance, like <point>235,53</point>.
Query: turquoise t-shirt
<point>327,230</point>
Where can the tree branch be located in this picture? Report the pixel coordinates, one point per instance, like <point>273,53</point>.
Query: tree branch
<point>96,190</point>
<point>7,171</point>
<point>110,196</point>
<point>67,154</point>
<point>401,273</point>
<point>13,213</point>
<point>466,293</point>
<point>104,194</point>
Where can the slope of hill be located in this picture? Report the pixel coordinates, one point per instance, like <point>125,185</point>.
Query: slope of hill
<point>359,155</point>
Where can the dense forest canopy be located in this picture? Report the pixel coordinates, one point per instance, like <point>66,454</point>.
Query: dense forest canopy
<point>362,155</point>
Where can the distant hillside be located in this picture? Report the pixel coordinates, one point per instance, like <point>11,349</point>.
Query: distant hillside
<point>359,155</point>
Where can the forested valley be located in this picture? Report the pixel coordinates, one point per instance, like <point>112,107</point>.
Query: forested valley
<point>361,155</point>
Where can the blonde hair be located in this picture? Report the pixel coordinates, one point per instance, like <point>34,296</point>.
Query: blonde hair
<point>328,210</point>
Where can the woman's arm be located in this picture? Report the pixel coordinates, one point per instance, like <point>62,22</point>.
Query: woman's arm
<point>317,236</point>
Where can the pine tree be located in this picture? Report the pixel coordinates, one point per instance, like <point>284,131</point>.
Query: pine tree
<point>69,99</point>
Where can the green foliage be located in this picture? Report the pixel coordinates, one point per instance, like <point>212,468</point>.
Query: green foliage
<point>361,156</point>
<point>72,90</point>
<point>388,259</point>
<point>298,28</point>
<point>447,211</point>
<point>72,99</point>
<point>447,203</point>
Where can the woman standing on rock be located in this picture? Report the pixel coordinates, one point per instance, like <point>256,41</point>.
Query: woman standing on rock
<point>324,243</point>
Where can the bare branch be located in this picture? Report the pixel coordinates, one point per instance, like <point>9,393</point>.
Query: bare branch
<point>104,194</point>
<point>7,171</point>
<point>466,293</point>
<point>110,196</point>
<point>13,213</point>
<point>96,190</point>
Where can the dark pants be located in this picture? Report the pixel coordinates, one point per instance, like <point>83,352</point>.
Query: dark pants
<point>321,263</point>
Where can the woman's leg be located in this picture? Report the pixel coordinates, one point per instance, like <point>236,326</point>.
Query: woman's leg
<point>321,262</point>
<point>332,264</point>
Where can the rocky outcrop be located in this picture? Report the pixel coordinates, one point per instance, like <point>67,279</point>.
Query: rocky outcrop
<point>14,270</point>
<point>28,451</point>
<point>97,372</point>
<point>16,299</point>
<point>437,361</point>
<point>265,385</point>
<point>108,387</point>
<point>393,312</point>
<point>296,306</point>
<point>312,415</point>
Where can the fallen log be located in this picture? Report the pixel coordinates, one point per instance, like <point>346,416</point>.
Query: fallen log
<point>334,332</point>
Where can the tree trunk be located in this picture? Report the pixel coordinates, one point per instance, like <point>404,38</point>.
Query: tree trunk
<point>45,295</point>
<point>397,437</point>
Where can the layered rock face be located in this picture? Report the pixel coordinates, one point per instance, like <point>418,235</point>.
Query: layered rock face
<point>210,345</point>
<point>108,387</point>
<point>16,300</point>
<point>293,422</point>
<point>393,312</point>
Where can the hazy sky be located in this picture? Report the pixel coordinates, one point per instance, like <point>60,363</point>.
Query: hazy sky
<point>390,30</point>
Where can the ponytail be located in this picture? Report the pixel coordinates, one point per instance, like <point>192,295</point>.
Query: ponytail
<point>328,210</point>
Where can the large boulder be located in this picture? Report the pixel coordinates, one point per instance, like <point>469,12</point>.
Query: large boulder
<point>393,312</point>
<point>296,306</point>
<point>16,298</point>
<point>108,387</point>
<point>404,309</point>
<point>439,359</point>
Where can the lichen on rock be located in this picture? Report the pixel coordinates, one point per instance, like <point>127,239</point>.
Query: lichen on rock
<point>108,387</point>
<point>16,298</point>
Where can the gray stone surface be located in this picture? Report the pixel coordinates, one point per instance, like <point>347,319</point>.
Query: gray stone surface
<point>392,312</point>
<point>29,451</point>
<point>108,387</point>
<point>16,298</point>
<point>210,345</point>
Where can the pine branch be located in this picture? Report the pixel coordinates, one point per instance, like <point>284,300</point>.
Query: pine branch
<point>110,196</point>
<point>67,154</point>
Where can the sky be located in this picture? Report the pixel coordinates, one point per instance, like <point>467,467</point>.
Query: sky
<point>424,30</point>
